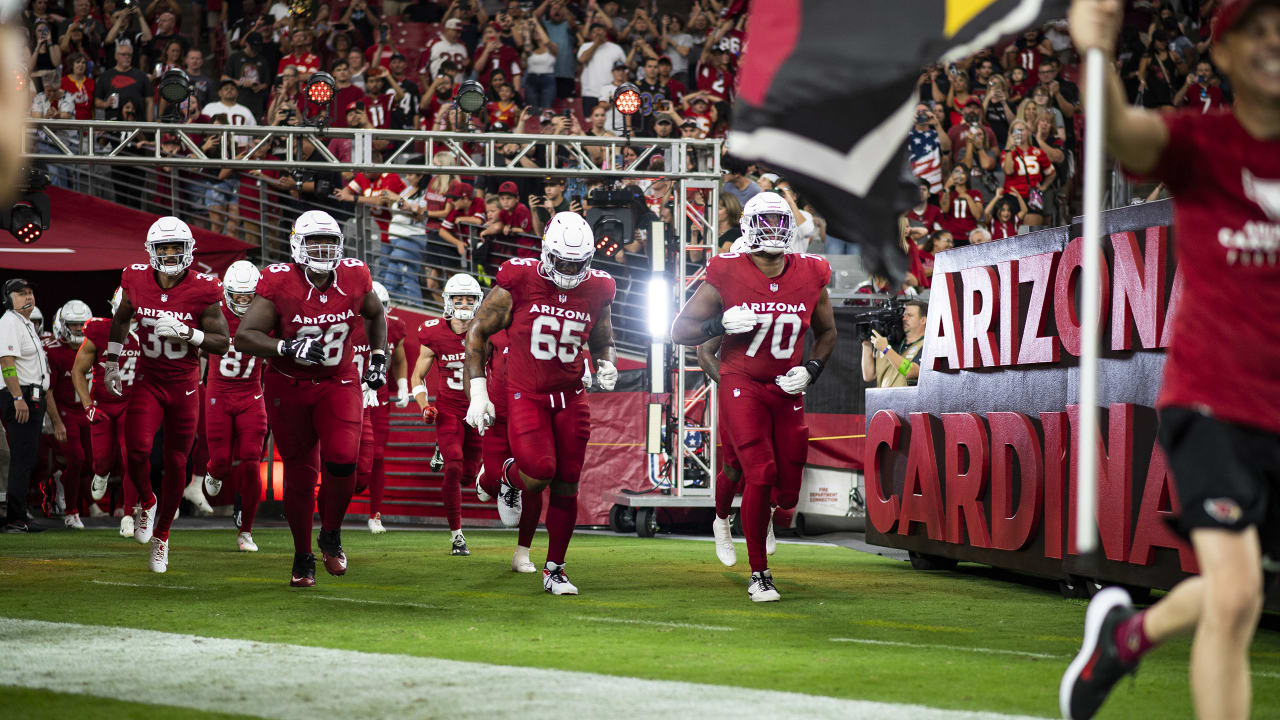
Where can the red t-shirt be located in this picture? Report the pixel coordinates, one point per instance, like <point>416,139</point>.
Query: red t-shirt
<point>168,360</point>
<point>83,96</point>
<point>233,373</point>
<point>97,331</point>
<point>508,113</point>
<point>1005,229</point>
<point>331,314</point>
<point>787,301</point>
<point>477,210</point>
<point>927,218</point>
<point>379,109</point>
<point>384,60</point>
<point>1205,97</point>
<point>956,218</point>
<point>505,59</point>
<point>1028,169</point>
<point>450,351</point>
<point>550,326</point>
<point>342,98</point>
<point>1226,189</point>
<point>719,82</point>
<point>62,357</point>
<point>306,63</point>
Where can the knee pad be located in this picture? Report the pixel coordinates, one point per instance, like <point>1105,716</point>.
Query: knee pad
<point>564,489</point>
<point>542,468</point>
<point>340,469</point>
<point>786,499</point>
<point>731,473</point>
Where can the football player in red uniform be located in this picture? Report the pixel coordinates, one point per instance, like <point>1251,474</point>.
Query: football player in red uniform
<point>235,414</point>
<point>762,302</point>
<point>1218,421</point>
<point>312,388</point>
<point>105,410</point>
<point>550,307</point>
<point>444,345</point>
<point>73,440</point>
<point>178,315</point>
<point>376,481</point>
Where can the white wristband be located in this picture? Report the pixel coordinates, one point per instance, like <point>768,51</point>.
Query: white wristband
<point>479,385</point>
<point>197,337</point>
<point>417,389</point>
<point>115,348</point>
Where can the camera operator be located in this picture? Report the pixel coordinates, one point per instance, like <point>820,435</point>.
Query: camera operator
<point>25,370</point>
<point>899,366</point>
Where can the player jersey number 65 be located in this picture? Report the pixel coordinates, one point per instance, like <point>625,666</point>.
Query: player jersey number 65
<point>545,346</point>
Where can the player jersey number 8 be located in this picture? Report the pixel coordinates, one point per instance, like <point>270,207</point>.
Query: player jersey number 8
<point>786,329</point>
<point>544,345</point>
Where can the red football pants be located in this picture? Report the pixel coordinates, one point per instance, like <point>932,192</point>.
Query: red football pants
<point>460,446</point>
<point>548,434</point>
<point>200,448</point>
<point>496,449</point>
<point>377,481</point>
<point>108,438</point>
<point>316,424</point>
<point>770,439</point>
<point>726,489</point>
<point>77,451</point>
<point>364,463</point>
<point>175,406</point>
<point>235,431</point>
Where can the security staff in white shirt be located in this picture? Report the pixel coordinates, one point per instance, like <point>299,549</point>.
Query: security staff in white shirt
<point>25,370</point>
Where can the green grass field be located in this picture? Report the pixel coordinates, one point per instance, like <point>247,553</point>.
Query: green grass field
<point>660,609</point>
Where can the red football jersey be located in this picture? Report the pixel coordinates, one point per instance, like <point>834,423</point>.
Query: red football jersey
<point>786,303</point>
<point>550,326</point>
<point>396,332</point>
<point>62,357</point>
<point>234,372</point>
<point>331,314</point>
<point>168,359</point>
<point>1029,167</point>
<point>450,350</point>
<point>957,219</point>
<point>98,331</point>
<point>1226,190</point>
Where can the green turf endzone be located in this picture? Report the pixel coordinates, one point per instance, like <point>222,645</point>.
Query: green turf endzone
<point>481,611</point>
<point>29,704</point>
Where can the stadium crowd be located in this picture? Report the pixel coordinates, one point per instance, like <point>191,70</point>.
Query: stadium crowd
<point>995,141</point>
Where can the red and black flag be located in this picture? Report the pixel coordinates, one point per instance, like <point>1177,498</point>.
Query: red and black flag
<point>826,95</point>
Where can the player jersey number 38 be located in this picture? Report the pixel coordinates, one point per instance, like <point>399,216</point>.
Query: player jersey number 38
<point>303,310</point>
<point>168,358</point>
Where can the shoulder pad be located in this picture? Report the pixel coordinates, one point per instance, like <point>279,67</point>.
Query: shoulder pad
<point>279,268</point>
<point>352,262</point>
<point>206,276</point>
<point>430,323</point>
<point>600,274</point>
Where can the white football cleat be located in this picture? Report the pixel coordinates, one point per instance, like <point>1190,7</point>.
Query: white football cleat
<point>520,561</point>
<point>761,588</point>
<point>144,522</point>
<point>725,550</point>
<point>126,526</point>
<point>159,555</point>
<point>212,485</point>
<point>195,496</point>
<point>770,542</point>
<point>555,581</point>
<point>98,487</point>
<point>244,541</point>
<point>72,521</point>
<point>510,503</point>
<point>95,511</point>
<point>481,495</point>
<point>375,524</point>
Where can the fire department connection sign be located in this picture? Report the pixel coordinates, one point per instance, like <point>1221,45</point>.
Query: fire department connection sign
<point>977,462</point>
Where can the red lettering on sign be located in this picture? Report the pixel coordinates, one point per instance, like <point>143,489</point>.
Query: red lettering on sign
<point>921,495</point>
<point>1064,295</point>
<point>1157,510</point>
<point>1014,436</point>
<point>942,334</point>
<point>981,308</point>
<point>885,430</point>
<point>1009,303</point>
<point>1055,476</point>
<point>1175,296</point>
<point>965,489</point>
<point>1115,482</point>
<point>1037,345</point>
<point>1139,288</point>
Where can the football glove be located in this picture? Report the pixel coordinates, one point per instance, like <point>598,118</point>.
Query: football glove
<point>481,412</point>
<point>586,376</point>
<point>402,393</point>
<point>91,413</point>
<point>738,319</point>
<point>795,381</point>
<point>437,460</point>
<point>169,326</point>
<point>606,375</point>
<point>370,397</point>
<point>305,350</point>
<point>111,378</point>
<point>376,374</point>
<point>429,414</point>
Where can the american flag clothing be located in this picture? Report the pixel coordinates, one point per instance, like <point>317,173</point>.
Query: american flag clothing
<point>926,157</point>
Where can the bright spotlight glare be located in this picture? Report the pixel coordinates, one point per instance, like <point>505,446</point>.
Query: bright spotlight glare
<point>659,306</point>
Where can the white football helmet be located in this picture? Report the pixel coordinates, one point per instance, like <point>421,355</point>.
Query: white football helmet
<point>241,278</point>
<point>37,319</point>
<point>165,231</point>
<point>383,296</point>
<point>115,299</point>
<point>767,224</point>
<point>68,322</point>
<point>316,241</point>
<point>567,247</point>
<point>740,245</point>
<point>461,285</point>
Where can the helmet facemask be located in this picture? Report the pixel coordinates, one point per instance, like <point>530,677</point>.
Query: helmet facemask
<point>239,302</point>
<point>452,311</point>
<point>565,273</point>
<point>319,252</point>
<point>171,257</point>
<point>770,233</point>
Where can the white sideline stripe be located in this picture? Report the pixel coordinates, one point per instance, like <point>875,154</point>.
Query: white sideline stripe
<point>362,601</point>
<point>656,623</point>
<point>39,250</point>
<point>142,585</point>
<point>989,651</point>
<point>293,682</point>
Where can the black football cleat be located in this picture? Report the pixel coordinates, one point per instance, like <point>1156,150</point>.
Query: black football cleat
<point>1098,667</point>
<point>459,546</point>
<point>304,570</point>
<point>335,561</point>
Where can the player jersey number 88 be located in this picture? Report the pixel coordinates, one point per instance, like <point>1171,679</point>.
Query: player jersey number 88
<point>302,310</point>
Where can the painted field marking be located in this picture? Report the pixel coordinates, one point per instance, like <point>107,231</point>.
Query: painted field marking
<point>294,682</point>
<point>141,585</point>
<point>362,601</point>
<point>963,648</point>
<point>654,623</point>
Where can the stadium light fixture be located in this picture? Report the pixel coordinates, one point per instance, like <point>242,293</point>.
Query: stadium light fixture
<point>659,306</point>
<point>321,88</point>
<point>28,217</point>
<point>470,97</point>
<point>626,99</point>
<point>175,86</point>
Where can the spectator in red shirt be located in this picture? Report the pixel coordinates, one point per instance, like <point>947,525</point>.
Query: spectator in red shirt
<point>301,57</point>
<point>345,92</point>
<point>1201,90</point>
<point>973,143</point>
<point>79,86</point>
<point>934,244</point>
<point>464,209</point>
<point>923,218</point>
<point>961,207</point>
<point>1026,168</point>
<point>492,54</point>
<point>1003,217</point>
<point>714,76</point>
<point>517,219</point>
<point>698,108</point>
<point>379,97</point>
<point>505,109</point>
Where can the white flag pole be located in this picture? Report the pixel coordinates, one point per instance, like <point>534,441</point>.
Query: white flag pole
<point>1091,244</point>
